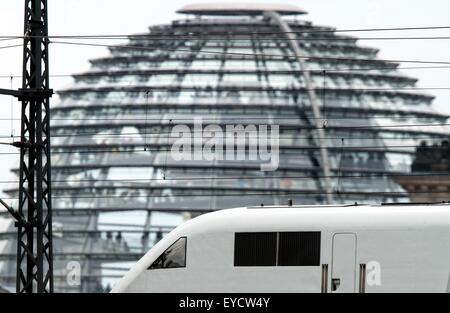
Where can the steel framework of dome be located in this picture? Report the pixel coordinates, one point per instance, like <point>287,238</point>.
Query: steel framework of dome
<point>116,190</point>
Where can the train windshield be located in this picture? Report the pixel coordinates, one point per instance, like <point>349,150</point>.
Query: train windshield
<point>173,257</point>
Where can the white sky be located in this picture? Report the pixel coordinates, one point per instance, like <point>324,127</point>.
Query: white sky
<point>101,17</point>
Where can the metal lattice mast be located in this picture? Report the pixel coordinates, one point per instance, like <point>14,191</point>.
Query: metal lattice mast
<point>34,242</point>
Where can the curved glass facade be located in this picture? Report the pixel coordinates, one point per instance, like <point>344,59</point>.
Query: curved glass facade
<point>117,190</point>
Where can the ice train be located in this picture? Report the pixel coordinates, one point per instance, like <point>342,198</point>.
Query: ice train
<point>352,248</point>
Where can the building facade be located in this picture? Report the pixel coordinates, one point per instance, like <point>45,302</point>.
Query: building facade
<point>428,181</point>
<point>347,122</point>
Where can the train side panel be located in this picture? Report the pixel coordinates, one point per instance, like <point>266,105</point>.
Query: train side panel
<point>210,268</point>
<point>396,261</point>
<point>405,260</point>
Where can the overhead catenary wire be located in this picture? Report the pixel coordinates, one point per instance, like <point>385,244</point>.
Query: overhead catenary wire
<point>178,87</point>
<point>278,32</point>
<point>268,193</point>
<point>286,150</point>
<point>304,127</point>
<point>157,134</point>
<point>11,46</point>
<point>261,55</point>
<point>153,37</point>
<point>126,72</point>
<point>310,127</point>
<point>420,115</point>
<point>7,38</point>
<point>136,135</point>
<point>363,174</point>
<point>104,117</point>
<point>289,89</point>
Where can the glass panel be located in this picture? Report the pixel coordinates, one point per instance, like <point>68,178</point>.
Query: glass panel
<point>173,257</point>
<point>299,249</point>
<point>255,249</point>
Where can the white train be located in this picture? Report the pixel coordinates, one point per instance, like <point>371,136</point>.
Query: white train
<point>356,248</point>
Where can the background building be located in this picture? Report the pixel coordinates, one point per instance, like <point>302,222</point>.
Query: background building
<point>428,181</point>
<point>348,122</point>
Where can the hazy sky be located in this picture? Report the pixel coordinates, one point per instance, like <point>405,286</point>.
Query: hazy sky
<point>101,17</point>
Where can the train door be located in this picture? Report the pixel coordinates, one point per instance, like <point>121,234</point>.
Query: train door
<point>343,267</point>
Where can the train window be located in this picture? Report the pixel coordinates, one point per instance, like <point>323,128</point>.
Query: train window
<point>173,257</point>
<point>255,249</point>
<point>299,249</point>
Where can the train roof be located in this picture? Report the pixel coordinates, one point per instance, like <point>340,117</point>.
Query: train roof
<point>325,217</point>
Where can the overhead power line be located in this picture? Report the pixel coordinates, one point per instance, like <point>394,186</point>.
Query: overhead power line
<point>306,127</point>
<point>287,136</point>
<point>222,119</point>
<point>7,38</point>
<point>176,86</point>
<point>151,71</point>
<point>312,176</point>
<point>152,37</point>
<point>278,32</point>
<point>271,194</point>
<point>12,46</point>
<point>165,48</point>
<point>285,150</point>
